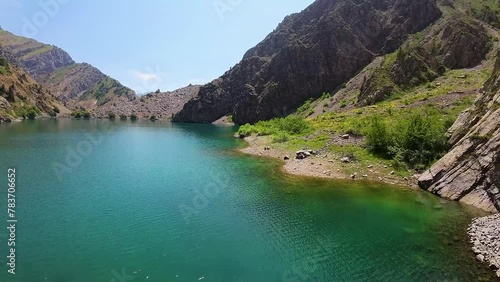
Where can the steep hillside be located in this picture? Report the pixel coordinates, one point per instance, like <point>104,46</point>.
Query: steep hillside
<point>311,52</point>
<point>76,84</point>
<point>21,96</point>
<point>390,121</point>
<point>470,172</point>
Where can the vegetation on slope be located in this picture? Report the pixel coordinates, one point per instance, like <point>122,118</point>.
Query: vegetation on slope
<point>22,97</point>
<point>398,112</point>
<point>103,90</point>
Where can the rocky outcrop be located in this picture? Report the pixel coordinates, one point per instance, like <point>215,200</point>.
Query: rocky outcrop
<point>459,42</point>
<point>471,171</point>
<point>311,52</point>
<point>456,42</point>
<point>162,105</point>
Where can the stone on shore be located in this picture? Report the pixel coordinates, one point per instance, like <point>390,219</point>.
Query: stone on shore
<point>484,234</point>
<point>345,160</point>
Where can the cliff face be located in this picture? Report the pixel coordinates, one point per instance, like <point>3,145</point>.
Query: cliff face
<point>471,171</point>
<point>311,52</point>
<point>53,68</point>
<point>20,95</point>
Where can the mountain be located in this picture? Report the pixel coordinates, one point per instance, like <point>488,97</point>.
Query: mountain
<point>162,104</point>
<point>470,172</point>
<point>21,96</point>
<point>309,53</point>
<point>76,84</point>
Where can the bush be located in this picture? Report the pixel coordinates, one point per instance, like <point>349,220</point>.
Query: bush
<point>421,138</point>
<point>133,117</point>
<point>31,114</point>
<point>246,130</point>
<point>153,118</point>
<point>281,137</point>
<point>417,140</point>
<point>76,114</point>
<point>378,138</point>
<point>86,115</point>
<point>305,106</point>
<point>291,125</point>
<point>123,117</point>
<point>111,116</point>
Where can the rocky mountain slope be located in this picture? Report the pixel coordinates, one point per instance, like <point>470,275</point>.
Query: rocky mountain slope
<point>471,171</point>
<point>162,105</point>
<point>77,85</point>
<point>21,96</point>
<point>311,52</point>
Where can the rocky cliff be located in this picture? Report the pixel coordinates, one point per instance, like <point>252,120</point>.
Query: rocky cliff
<point>309,53</point>
<point>73,83</point>
<point>470,172</point>
<point>20,95</point>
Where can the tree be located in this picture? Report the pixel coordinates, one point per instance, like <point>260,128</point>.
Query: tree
<point>11,94</point>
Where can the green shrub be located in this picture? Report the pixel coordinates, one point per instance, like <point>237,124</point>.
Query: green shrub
<point>480,138</point>
<point>305,107</point>
<point>111,116</point>
<point>123,117</point>
<point>417,140</point>
<point>281,137</point>
<point>292,125</point>
<point>31,114</point>
<point>421,138</point>
<point>133,117</point>
<point>343,103</point>
<point>153,118</point>
<point>378,138</point>
<point>246,130</point>
<point>86,115</point>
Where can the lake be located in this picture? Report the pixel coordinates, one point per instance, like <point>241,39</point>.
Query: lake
<point>118,201</point>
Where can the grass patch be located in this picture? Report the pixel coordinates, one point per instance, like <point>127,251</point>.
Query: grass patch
<point>281,129</point>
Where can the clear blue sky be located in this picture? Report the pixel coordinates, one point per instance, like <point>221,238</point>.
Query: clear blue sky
<point>150,44</point>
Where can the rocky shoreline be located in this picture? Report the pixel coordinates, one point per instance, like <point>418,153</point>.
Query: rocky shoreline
<point>484,234</point>
<point>323,165</point>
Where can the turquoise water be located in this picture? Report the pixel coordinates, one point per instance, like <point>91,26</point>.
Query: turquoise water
<point>97,200</point>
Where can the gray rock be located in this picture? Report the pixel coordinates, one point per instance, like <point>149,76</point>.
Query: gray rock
<point>470,171</point>
<point>345,160</point>
<point>480,257</point>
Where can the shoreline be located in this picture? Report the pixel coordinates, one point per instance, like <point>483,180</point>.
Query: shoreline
<point>483,232</point>
<point>327,166</point>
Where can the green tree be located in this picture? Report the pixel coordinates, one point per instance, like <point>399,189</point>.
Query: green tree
<point>11,95</point>
<point>377,136</point>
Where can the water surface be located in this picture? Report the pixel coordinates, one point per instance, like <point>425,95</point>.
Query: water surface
<point>169,202</point>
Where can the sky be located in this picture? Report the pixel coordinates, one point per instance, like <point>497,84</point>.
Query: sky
<point>153,44</point>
